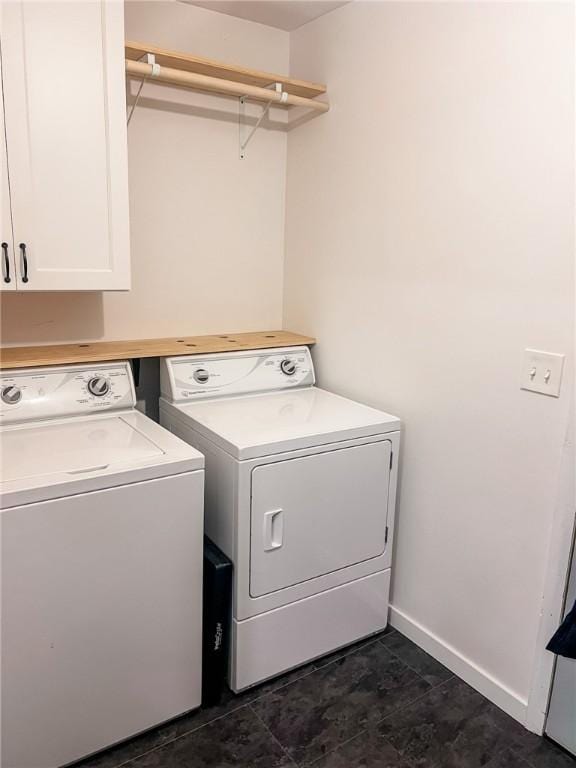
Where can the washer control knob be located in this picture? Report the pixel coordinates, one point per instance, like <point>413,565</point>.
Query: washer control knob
<point>201,375</point>
<point>11,394</point>
<point>288,367</point>
<point>98,386</point>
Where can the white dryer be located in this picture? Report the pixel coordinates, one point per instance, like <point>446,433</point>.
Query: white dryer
<point>300,494</point>
<point>101,580</point>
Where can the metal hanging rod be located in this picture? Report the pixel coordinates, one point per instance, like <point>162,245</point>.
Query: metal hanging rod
<point>161,74</point>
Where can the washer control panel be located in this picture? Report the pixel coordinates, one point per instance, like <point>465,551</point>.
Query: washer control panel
<point>235,373</point>
<point>43,393</point>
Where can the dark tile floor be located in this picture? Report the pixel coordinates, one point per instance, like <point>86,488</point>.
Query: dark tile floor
<point>382,703</point>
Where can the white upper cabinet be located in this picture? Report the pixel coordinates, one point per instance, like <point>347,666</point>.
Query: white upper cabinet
<point>65,118</point>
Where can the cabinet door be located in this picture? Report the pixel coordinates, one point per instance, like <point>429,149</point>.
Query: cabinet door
<point>7,268</point>
<point>65,111</point>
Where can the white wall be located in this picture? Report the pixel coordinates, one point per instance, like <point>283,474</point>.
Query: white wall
<point>207,228</point>
<point>429,241</point>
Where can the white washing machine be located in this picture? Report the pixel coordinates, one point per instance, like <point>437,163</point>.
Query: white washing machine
<point>300,494</point>
<point>101,580</point>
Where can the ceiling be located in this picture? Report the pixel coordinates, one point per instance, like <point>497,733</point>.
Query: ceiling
<point>283,14</point>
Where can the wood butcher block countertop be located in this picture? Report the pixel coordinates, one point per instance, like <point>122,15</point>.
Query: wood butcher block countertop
<point>100,351</point>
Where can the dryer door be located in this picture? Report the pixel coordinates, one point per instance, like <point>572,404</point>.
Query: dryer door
<point>317,514</point>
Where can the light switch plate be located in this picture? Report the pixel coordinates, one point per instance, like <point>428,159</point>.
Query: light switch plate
<point>542,372</point>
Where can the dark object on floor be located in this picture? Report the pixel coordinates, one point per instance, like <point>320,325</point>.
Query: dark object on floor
<point>564,641</point>
<point>216,627</point>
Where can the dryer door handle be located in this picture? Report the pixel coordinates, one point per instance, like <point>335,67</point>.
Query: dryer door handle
<point>273,529</point>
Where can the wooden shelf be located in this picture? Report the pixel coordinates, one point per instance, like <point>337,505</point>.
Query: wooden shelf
<point>202,74</point>
<point>201,66</point>
<point>94,352</point>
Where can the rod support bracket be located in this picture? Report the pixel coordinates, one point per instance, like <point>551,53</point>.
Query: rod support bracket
<point>155,71</point>
<point>283,94</point>
<point>151,60</point>
<point>243,142</point>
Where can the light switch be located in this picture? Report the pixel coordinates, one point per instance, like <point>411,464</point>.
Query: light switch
<point>542,372</point>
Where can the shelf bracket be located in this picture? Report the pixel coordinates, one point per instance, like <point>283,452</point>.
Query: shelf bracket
<point>243,142</point>
<point>150,59</point>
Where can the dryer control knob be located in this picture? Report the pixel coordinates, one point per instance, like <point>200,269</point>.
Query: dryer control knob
<point>11,394</point>
<point>288,367</point>
<point>98,386</point>
<point>201,375</point>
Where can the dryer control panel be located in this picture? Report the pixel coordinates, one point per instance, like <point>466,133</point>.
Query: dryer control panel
<point>235,373</point>
<point>64,390</point>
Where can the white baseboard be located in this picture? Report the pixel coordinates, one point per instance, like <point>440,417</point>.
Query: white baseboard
<point>478,678</point>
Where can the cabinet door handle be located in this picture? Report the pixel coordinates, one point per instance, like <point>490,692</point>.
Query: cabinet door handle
<point>7,278</point>
<point>24,263</point>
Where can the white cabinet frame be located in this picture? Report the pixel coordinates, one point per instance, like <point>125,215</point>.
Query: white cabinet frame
<point>8,264</point>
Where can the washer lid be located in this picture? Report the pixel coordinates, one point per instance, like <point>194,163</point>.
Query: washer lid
<point>72,447</point>
<point>260,425</point>
<point>50,459</point>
